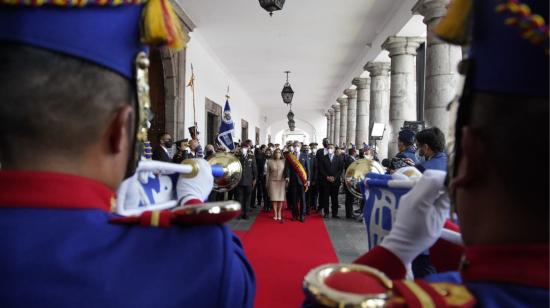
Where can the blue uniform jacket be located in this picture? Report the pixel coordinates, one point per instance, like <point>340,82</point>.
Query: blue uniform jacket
<point>408,153</point>
<point>436,162</point>
<point>59,250</point>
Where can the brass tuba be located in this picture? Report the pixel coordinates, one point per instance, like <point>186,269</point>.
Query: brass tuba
<point>357,173</point>
<point>232,171</point>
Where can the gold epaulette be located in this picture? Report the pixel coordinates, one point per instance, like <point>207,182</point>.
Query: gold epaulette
<point>354,285</point>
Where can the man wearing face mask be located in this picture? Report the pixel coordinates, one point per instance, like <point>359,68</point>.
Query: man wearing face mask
<point>405,144</point>
<point>248,178</point>
<point>161,153</point>
<point>431,149</point>
<point>331,167</point>
<point>312,191</point>
<point>297,161</point>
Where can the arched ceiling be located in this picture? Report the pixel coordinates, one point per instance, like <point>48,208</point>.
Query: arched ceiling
<point>324,43</point>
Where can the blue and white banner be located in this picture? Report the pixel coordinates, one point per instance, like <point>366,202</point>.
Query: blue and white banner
<point>227,129</point>
<point>381,194</point>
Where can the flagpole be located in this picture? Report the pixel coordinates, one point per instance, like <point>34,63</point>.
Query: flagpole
<point>192,85</point>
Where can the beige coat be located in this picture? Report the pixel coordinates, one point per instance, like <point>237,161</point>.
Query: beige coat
<point>275,181</point>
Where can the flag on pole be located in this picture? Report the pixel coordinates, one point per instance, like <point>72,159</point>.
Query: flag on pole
<point>227,129</point>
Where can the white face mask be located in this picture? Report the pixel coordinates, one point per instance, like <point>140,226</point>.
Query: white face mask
<point>245,150</point>
<point>331,151</point>
<point>297,149</point>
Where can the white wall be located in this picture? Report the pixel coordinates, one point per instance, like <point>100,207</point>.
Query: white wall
<point>211,81</point>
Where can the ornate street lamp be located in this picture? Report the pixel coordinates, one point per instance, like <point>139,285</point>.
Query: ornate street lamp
<point>290,115</point>
<point>272,5</point>
<point>291,125</point>
<point>287,93</point>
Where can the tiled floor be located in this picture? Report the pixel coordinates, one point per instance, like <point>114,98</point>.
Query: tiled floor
<point>348,236</point>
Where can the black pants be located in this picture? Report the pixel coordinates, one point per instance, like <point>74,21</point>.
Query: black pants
<point>312,198</point>
<point>297,196</point>
<point>327,191</point>
<point>261,191</point>
<point>243,195</point>
<point>349,203</point>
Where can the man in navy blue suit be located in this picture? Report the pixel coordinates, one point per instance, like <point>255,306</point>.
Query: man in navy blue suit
<point>296,184</point>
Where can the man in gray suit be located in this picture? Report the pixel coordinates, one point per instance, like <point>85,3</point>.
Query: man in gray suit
<point>296,188</point>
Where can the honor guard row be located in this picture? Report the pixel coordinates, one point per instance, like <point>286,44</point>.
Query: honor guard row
<point>73,114</point>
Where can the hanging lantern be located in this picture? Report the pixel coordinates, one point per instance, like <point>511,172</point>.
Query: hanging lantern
<point>287,93</point>
<point>291,125</point>
<point>290,115</point>
<point>272,5</point>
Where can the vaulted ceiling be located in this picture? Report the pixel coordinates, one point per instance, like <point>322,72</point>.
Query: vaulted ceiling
<point>324,43</point>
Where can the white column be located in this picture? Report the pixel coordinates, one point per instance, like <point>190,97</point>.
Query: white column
<point>331,128</point>
<point>328,124</point>
<point>380,100</point>
<point>343,101</point>
<point>362,117</point>
<point>441,66</point>
<point>336,131</point>
<point>352,115</point>
<point>403,84</point>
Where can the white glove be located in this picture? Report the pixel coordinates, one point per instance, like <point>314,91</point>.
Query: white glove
<point>198,187</point>
<point>420,217</point>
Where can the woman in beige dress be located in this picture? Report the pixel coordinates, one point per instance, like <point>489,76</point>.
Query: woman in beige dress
<point>276,183</point>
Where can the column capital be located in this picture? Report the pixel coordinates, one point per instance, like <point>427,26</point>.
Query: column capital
<point>350,93</point>
<point>330,111</point>
<point>343,101</point>
<point>431,9</point>
<point>402,45</point>
<point>336,108</point>
<point>378,68</point>
<point>361,83</point>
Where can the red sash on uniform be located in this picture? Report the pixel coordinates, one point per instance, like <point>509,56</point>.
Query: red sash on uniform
<point>298,168</point>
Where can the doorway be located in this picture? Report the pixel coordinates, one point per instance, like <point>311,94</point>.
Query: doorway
<point>156,82</point>
<point>244,130</point>
<point>257,137</point>
<point>213,119</point>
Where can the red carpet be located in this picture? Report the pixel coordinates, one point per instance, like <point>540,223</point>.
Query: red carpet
<point>281,255</point>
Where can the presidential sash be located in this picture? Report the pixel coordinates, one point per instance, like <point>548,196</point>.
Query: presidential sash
<point>298,168</point>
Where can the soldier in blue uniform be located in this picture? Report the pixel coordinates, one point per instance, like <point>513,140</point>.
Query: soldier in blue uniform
<point>71,114</point>
<point>405,144</point>
<point>431,146</point>
<point>503,210</point>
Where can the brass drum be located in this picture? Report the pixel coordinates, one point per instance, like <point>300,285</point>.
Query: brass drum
<point>232,171</point>
<point>357,173</point>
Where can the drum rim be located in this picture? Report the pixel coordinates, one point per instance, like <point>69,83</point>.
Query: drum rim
<point>315,286</point>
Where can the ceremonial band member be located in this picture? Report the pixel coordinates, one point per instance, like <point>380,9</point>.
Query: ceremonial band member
<point>503,213</point>
<point>68,74</point>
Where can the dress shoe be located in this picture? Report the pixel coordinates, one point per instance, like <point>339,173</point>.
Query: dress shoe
<point>244,217</point>
<point>336,216</point>
<point>302,219</point>
<point>358,211</point>
<point>325,216</point>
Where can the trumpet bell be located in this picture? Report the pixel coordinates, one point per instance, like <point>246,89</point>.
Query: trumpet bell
<point>357,173</point>
<point>232,171</point>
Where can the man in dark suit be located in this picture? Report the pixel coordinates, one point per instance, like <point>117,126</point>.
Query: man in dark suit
<point>330,168</point>
<point>318,156</point>
<point>296,189</point>
<point>161,152</point>
<point>311,194</point>
<point>350,199</point>
<point>261,189</point>
<point>248,178</point>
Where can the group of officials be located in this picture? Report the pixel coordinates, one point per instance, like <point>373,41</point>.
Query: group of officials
<point>69,73</point>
